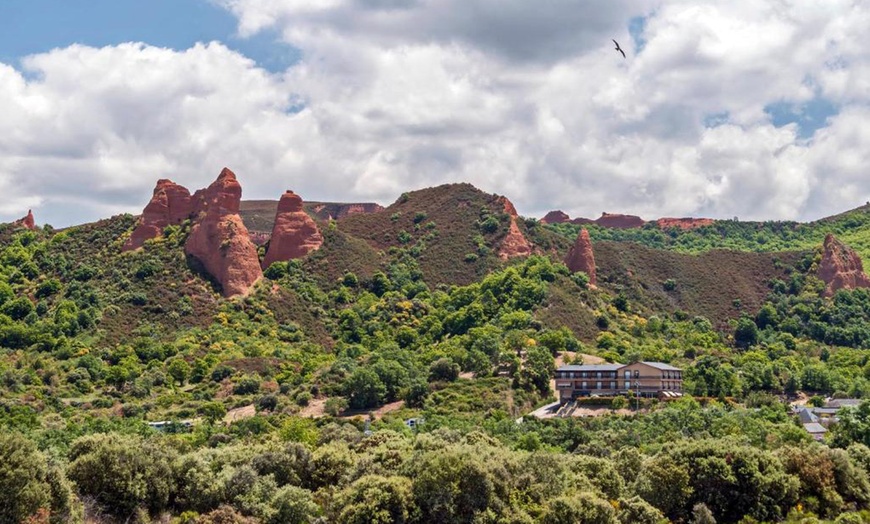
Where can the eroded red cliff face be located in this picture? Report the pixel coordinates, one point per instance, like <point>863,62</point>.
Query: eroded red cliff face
<point>514,243</point>
<point>555,217</point>
<point>170,204</point>
<point>581,258</point>
<point>618,221</point>
<point>841,267</point>
<point>27,221</point>
<point>683,223</point>
<point>294,234</point>
<point>218,238</point>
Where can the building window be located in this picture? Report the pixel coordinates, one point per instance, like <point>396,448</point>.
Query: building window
<point>613,384</point>
<point>583,385</point>
<point>627,384</point>
<point>628,375</point>
<point>598,385</point>
<point>636,373</point>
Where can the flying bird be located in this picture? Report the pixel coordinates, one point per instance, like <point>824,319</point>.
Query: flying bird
<point>619,48</point>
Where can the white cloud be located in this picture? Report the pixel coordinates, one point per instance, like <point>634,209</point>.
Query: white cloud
<point>526,100</point>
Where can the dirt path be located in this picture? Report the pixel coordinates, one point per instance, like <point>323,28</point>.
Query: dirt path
<point>240,413</point>
<point>316,409</point>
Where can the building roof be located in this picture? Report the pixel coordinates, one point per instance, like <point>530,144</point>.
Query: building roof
<point>826,411</point>
<point>815,427</point>
<point>807,416</point>
<point>592,367</point>
<point>842,402</point>
<point>615,367</point>
<point>661,365</point>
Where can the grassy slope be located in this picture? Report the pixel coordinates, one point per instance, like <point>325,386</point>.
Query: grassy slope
<point>707,284</point>
<point>454,209</point>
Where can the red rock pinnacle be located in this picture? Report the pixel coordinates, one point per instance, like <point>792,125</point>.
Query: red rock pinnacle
<point>218,238</point>
<point>841,267</point>
<point>170,204</point>
<point>580,256</point>
<point>294,234</point>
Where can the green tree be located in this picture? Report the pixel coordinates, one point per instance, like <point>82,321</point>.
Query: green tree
<point>746,332</point>
<point>444,370</point>
<point>665,484</point>
<point>376,499</point>
<point>637,511</point>
<point>292,505</point>
<point>123,473</point>
<point>538,369</point>
<point>364,389</point>
<point>23,485</point>
<point>213,412</point>
<point>178,369</point>
<point>17,309</point>
<point>583,507</point>
<point>853,425</point>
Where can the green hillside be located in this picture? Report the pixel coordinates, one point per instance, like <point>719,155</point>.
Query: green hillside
<point>292,404</point>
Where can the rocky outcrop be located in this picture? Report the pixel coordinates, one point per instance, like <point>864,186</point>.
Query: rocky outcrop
<point>259,238</point>
<point>582,221</point>
<point>841,267</point>
<point>619,221</point>
<point>334,211</point>
<point>580,256</point>
<point>170,204</point>
<point>27,222</point>
<point>295,234</point>
<point>683,223</point>
<point>514,243</point>
<point>218,239</point>
<point>555,217</point>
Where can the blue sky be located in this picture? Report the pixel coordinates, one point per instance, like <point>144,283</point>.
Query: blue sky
<point>36,26</point>
<point>720,109</point>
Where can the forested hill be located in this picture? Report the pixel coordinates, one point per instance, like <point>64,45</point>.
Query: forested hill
<point>388,374</point>
<point>852,227</point>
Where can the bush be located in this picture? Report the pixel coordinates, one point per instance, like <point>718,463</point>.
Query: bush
<point>335,406</point>
<point>122,473</point>
<point>246,386</point>
<point>23,486</point>
<point>303,398</point>
<point>444,370</point>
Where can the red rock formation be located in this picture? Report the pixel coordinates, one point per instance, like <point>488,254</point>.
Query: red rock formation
<point>514,243</point>
<point>580,256</point>
<point>582,221</point>
<point>170,204</point>
<point>259,238</point>
<point>683,223</point>
<point>294,234</point>
<point>619,221</point>
<point>218,238</point>
<point>26,222</point>
<point>555,217</point>
<point>841,267</point>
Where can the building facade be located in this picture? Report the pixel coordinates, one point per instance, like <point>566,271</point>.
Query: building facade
<point>648,379</point>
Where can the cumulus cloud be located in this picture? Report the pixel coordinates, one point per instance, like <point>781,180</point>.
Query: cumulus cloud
<point>517,98</point>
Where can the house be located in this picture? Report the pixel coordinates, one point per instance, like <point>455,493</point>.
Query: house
<point>807,416</point>
<point>648,379</point>
<point>816,430</point>
<point>838,403</point>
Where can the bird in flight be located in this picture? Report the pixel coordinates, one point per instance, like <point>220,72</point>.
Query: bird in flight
<point>619,48</point>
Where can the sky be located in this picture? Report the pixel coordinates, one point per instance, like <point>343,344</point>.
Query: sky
<point>721,108</point>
